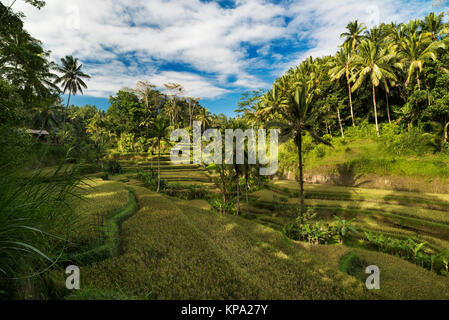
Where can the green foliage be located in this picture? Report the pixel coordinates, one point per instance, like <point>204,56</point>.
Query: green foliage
<point>34,220</point>
<point>112,167</point>
<point>126,142</point>
<point>150,179</point>
<point>218,205</point>
<point>409,249</point>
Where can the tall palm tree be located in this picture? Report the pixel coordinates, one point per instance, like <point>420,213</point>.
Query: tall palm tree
<point>354,34</point>
<point>72,76</point>
<point>415,50</point>
<point>299,115</point>
<point>204,117</point>
<point>377,64</point>
<point>159,129</point>
<point>342,64</point>
<point>71,80</point>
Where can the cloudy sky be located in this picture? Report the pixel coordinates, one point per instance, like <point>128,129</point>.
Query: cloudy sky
<point>215,49</point>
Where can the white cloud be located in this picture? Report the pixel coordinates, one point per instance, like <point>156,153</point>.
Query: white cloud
<point>201,35</point>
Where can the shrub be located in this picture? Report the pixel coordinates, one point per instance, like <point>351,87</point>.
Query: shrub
<point>218,205</point>
<point>126,142</point>
<point>112,166</point>
<point>149,178</point>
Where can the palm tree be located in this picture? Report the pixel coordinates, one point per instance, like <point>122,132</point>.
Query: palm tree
<point>433,25</point>
<point>299,115</point>
<point>71,80</point>
<point>159,129</point>
<point>354,34</point>
<point>46,116</point>
<point>203,116</point>
<point>192,102</point>
<point>375,63</point>
<point>72,76</point>
<point>415,51</point>
<point>342,64</point>
<point>376,34</point>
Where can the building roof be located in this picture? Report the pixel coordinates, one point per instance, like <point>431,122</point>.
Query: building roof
<point>38,132</point>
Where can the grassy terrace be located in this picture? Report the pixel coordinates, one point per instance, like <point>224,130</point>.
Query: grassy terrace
<point>174,250</point>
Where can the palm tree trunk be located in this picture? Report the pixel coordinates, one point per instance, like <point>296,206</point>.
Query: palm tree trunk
<point>339,121</point>
<point>301,174</point>
<point>375,110</point>
<point>65,117</point>
<point>238,195</point>
<point>350,100</point>
<point>388,106</point>
<point>246,190</point>
<point>419,82</point>
<point>159,165</point>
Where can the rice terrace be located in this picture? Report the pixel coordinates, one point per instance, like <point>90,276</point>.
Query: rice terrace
<point>224,150</point>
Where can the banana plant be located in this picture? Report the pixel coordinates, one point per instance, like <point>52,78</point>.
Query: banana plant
<point>344,228</point>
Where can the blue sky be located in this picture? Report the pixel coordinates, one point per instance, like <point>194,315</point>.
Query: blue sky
<point>215,49</point>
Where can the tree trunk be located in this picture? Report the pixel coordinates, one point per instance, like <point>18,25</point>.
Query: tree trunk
<point>375,110</point>
<point>350,100</point>
<point>159,165</point>
<point>339,121</point>
<point>238,196</point>
<point>65,118</point>
<point>388,106</point>
<point>301,174</point>
<point>419,82</point>
<point>246,191</point>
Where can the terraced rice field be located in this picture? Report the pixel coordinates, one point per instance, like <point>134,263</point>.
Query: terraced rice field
<point>172,172</point>
<point>400,214</point>
<point>179,249</point>
<point>173,250</point>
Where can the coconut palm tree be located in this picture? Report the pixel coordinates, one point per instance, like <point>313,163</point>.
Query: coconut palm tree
<point>71,80</point>
<point>204,117</point>
<point>415,50</point>
<point>46,116</point>
<point>72,76</point>
<point>192,102</point>
<point>433,25</point>
<point>298,114</point>
<point>375,63</point>
<point>159,129</point>
<point>354,34</point>
<point>342,64</point>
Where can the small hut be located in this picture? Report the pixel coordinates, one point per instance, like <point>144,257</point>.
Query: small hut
<point>41,135</point>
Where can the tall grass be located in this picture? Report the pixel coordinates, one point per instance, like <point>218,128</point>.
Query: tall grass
<point>35,221</point>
